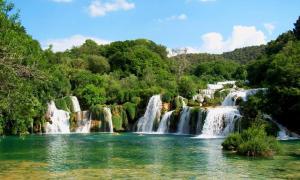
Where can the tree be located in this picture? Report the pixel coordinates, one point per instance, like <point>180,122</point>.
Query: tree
<point>296,30</point>
<point>98,64</point>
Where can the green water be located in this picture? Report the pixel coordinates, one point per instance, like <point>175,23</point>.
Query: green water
<point>130,156</point>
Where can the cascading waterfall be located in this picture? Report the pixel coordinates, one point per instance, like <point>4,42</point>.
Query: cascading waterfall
<point>108,118</point>
<point>84,120</point>
<point>59,120</point>
<point>183,126</point>
<point>75,104</point>
<point>164,123</point>
<point>283,133</point>
<point>231,98</point>
<point>219,122</point>
<point>146,123</point>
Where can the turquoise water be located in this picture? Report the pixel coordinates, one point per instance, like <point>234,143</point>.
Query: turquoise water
<point>130,156</point>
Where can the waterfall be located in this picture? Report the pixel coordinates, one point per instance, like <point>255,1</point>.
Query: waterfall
<point>210,91</point>
<point>153,110</point>
<point>219,122</point>
<point>59,120</point>
<point>283,133</point>
<point>84,120</point>
<point>108,119</point>
<point>164,123</point>
<point>75,104</point>
<point>183,126</point>
<point>231,98</point>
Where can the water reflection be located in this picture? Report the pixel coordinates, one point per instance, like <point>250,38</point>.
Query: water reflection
<point>106,156</point>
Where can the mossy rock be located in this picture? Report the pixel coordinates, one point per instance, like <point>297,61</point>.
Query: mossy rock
<point>193,103</point>
<point>131,110</point>
<point>119,118</point>
<point>177,102</point>
<point>197,114</point>
<point>73,122</point>
<point>97,112</point>
<point>174,120</point>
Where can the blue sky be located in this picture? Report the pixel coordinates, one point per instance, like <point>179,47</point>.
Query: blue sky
<point>200,25</point>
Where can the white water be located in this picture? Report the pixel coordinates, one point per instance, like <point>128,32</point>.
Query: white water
<point>84,119</point>
<point>231,98</point>
<point>59,120</point>
<point>145,124</point>
<point>226,82</point>
<point>219,122</point>
<point>210,91</point>
<point>183,126</point>
<point>164,123</point>
<point>283,133</point>
<point>108,118</point>
<point>75,104</point>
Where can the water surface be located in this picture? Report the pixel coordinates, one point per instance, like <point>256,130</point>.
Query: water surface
<point>130,156</point>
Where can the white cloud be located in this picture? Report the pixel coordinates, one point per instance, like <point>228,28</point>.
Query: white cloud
<point>241,36</point>
<point>180,17</point>
<point>98,8</point>
<point>62,1</point>
<point>63,44</point>
<point>270,27</point>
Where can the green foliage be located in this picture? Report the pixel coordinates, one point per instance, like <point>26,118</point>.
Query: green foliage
<point>296,30</point>
<point>253,141</point>
<point>130,109</point>
<point>119,118</point>
<point>187,87</point>
<point>98,64</point>
<point>246,54</point>
<point>91,95</point>
<point>279,70</point>
<point>167,97</point>
<point>64,103</point>
<point>223,70</point>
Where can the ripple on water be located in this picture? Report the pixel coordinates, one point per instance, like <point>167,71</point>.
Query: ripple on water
<point>131,156</point>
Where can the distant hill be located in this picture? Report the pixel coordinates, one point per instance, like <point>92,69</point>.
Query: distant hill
<point>241,55</point>
<point>246,54</point>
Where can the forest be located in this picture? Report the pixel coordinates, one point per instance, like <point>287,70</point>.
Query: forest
<point>125,74</point>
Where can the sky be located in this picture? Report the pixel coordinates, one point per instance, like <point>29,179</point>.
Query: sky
<point>212,26</point>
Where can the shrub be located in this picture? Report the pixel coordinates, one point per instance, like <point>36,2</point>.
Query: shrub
<point>253,141</point>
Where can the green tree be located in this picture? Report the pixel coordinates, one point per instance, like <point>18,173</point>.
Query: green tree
<point>98,64</point>
<point>297,28</point>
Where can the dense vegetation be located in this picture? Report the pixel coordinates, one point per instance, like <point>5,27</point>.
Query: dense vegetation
<point>124,74</point>
<point>253,141</point>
